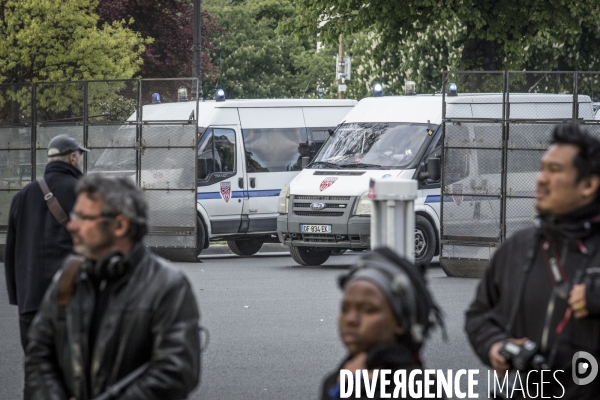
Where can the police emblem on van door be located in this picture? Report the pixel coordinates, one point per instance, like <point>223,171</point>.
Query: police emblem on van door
<point>226,191</point>
<point>317,206</point>
<point>457,190</point>
<point>327,182</point>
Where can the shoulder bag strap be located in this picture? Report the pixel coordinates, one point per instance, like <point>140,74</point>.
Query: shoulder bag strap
<point>53,204</point>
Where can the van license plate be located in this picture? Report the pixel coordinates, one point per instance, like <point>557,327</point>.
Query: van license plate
<point>315,228</point>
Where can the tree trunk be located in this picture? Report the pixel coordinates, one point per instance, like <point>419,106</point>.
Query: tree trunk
<point>480,55</point>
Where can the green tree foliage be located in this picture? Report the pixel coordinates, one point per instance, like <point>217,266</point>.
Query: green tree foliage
<point>58,40</point>
<point>170,24</point>
<point>419,57</point>
<point>496,32</point>
<point>395,40</point>
<point>257,61</point>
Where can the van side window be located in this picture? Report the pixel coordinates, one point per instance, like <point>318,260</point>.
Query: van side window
<point>216,152</point>
<point>275,149</point>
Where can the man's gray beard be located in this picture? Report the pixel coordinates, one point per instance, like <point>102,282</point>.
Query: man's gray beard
<point>98,251</point>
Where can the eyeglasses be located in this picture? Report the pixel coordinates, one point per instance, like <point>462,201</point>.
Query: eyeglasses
<point>83,217</point>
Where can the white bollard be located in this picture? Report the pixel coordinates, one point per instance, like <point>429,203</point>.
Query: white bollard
<point>393,215</point>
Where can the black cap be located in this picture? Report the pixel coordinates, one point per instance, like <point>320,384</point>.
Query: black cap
<point>64,144</point>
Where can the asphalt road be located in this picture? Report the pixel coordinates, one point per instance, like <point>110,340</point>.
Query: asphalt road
<point>272,325</point>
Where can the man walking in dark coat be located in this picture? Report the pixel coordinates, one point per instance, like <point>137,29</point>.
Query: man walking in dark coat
<point>543,283</point>
<point>36,243</point>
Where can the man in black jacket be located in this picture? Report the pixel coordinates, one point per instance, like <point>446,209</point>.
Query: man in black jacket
<point>543,283</point>
<point>118,310</point>
<point>36,243</point>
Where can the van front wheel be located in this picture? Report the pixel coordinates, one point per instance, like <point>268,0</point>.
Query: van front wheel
<point>245,247</point>
<point>309,255</point>
<point>200,236</point>
<point>425,241</point>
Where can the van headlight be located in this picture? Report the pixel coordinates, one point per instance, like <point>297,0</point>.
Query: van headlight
<point>284,197</point>
<point>362,208</point>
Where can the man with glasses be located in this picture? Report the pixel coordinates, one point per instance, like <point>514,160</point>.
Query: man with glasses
<point>36,242</point>
<point>537,306</point>
<point>118,319</point>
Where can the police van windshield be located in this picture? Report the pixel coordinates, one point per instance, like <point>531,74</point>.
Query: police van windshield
<point>382,145</point>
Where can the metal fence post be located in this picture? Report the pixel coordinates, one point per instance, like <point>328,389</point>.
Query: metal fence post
<point>33,132</point>
<point>138,134</point>
<point>575,98</point>
<point>504,171</point>
<point>85,123</point>
<point>443,155</point>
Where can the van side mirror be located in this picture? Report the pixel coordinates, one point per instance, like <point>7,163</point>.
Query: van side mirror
<point>434,169</point>
<point>202,169</point>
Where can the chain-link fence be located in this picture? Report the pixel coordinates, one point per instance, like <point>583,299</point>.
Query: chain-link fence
<point>143,129</point>
<point>497,126</point>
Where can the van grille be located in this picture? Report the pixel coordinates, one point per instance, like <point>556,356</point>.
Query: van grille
<point>334,198</point>
<point>327,205</point>
<point>318,214</point>
<point>319,238</point>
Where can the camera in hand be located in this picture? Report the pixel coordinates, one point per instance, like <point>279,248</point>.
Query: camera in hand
<point>524,357</point>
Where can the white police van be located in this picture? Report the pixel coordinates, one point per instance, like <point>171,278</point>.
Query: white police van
<point>326,207</point>
<point>248,151</point>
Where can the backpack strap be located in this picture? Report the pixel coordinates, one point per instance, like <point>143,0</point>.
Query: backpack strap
<point>68,277</point>
<point>53,204</point>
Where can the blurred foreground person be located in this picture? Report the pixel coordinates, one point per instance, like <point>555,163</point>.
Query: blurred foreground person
<point>385,317</point>
<point>118,318</point>
<point>537,307</point>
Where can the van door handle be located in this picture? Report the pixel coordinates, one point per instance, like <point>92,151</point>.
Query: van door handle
<point>241,183</point>
<point>252,182</point>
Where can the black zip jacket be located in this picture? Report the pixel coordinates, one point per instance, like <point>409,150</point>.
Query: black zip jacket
<point>568,238</point>
<point>36,244</point>
<point>394,356</point>
<point>151,315</point>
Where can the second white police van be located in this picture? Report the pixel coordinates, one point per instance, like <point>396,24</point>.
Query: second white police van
<point>326,207</point>
<point>247,151</point>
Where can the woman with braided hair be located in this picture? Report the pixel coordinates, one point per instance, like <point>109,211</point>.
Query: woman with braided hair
<point>385,317</point>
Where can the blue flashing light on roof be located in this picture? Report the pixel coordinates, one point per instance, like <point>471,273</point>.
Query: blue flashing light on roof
<point>377,90</point>
<point>219,95</point>
<point>155,98</point>
<point>452,89</point>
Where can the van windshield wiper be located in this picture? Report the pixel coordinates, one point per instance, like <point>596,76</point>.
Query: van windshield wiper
<point>324,163</point>
<point>360,165</point>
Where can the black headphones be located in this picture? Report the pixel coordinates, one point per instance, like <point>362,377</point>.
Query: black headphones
<point>110,267</point>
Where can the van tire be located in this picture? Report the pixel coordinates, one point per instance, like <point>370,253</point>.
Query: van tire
<point>200,236</point>
<point>425,241</point>
<point>245,247</point>
<point>309,255</point>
